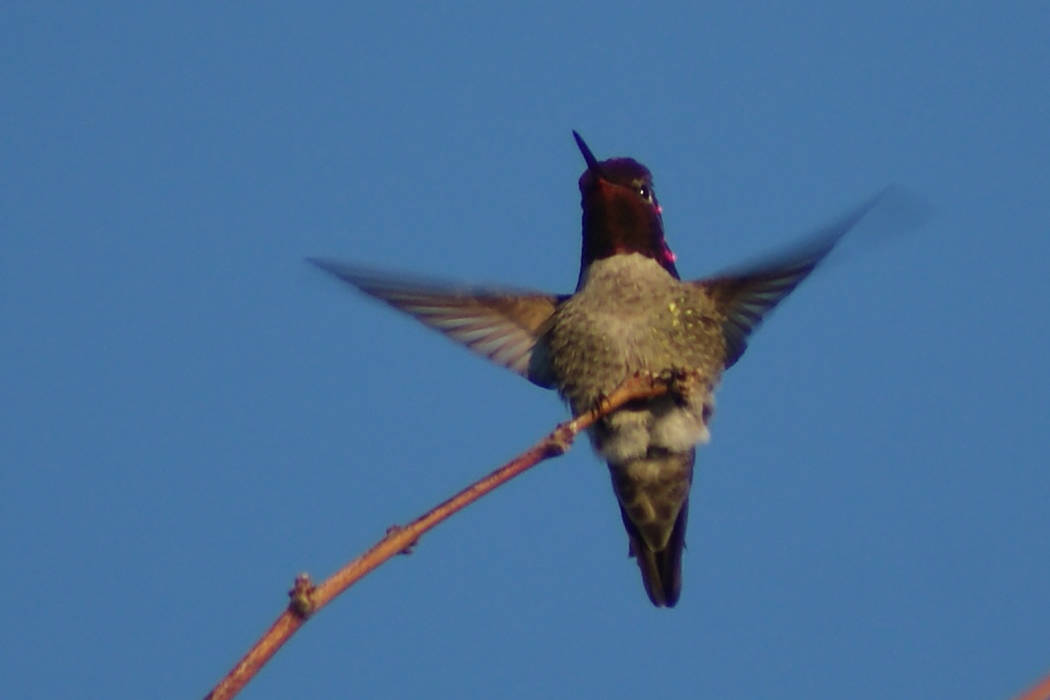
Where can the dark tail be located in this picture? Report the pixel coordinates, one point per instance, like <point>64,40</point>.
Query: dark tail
<point>661,570</point>
<point>653,492</point>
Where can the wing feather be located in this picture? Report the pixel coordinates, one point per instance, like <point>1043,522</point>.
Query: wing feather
<point>501,325</point>
<point>744,297</point>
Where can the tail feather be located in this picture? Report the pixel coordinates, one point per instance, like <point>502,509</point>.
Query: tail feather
<point>653,493</point>
<point>661,569</point>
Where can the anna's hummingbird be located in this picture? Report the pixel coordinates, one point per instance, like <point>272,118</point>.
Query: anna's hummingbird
<point>630,313</point>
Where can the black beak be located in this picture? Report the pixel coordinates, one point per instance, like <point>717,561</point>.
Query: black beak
<point>592,162</point>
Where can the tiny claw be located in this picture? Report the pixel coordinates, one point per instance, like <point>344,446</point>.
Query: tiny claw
<point>643,375</point>
<point>669,376</point>
<point>684,383</point>
<point>601,402</point>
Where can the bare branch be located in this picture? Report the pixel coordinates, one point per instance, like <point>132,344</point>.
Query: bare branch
<point>307,599</point>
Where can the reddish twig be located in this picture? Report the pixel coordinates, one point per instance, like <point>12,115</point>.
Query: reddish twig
<point>306,599</point>
<point>1039,691</point>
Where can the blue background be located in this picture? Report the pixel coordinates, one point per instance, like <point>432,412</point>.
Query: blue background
<point>192,415</point>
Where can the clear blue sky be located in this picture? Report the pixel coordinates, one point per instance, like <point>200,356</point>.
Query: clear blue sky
<point>191,415</point>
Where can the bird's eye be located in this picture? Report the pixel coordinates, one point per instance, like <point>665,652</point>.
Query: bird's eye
<point>645,193</point>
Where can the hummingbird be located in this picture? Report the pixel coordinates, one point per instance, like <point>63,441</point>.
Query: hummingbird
<point>631,313</point>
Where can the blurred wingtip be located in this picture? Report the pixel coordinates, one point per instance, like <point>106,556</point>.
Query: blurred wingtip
<point>337,269</point>
<point>322,263</point>
<point>900,208</point>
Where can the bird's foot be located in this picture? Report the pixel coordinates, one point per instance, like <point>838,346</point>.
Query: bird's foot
<point>681,383</point>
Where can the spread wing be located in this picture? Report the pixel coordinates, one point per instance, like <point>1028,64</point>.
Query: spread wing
<point>498,324</point>
<point>746,296</point>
